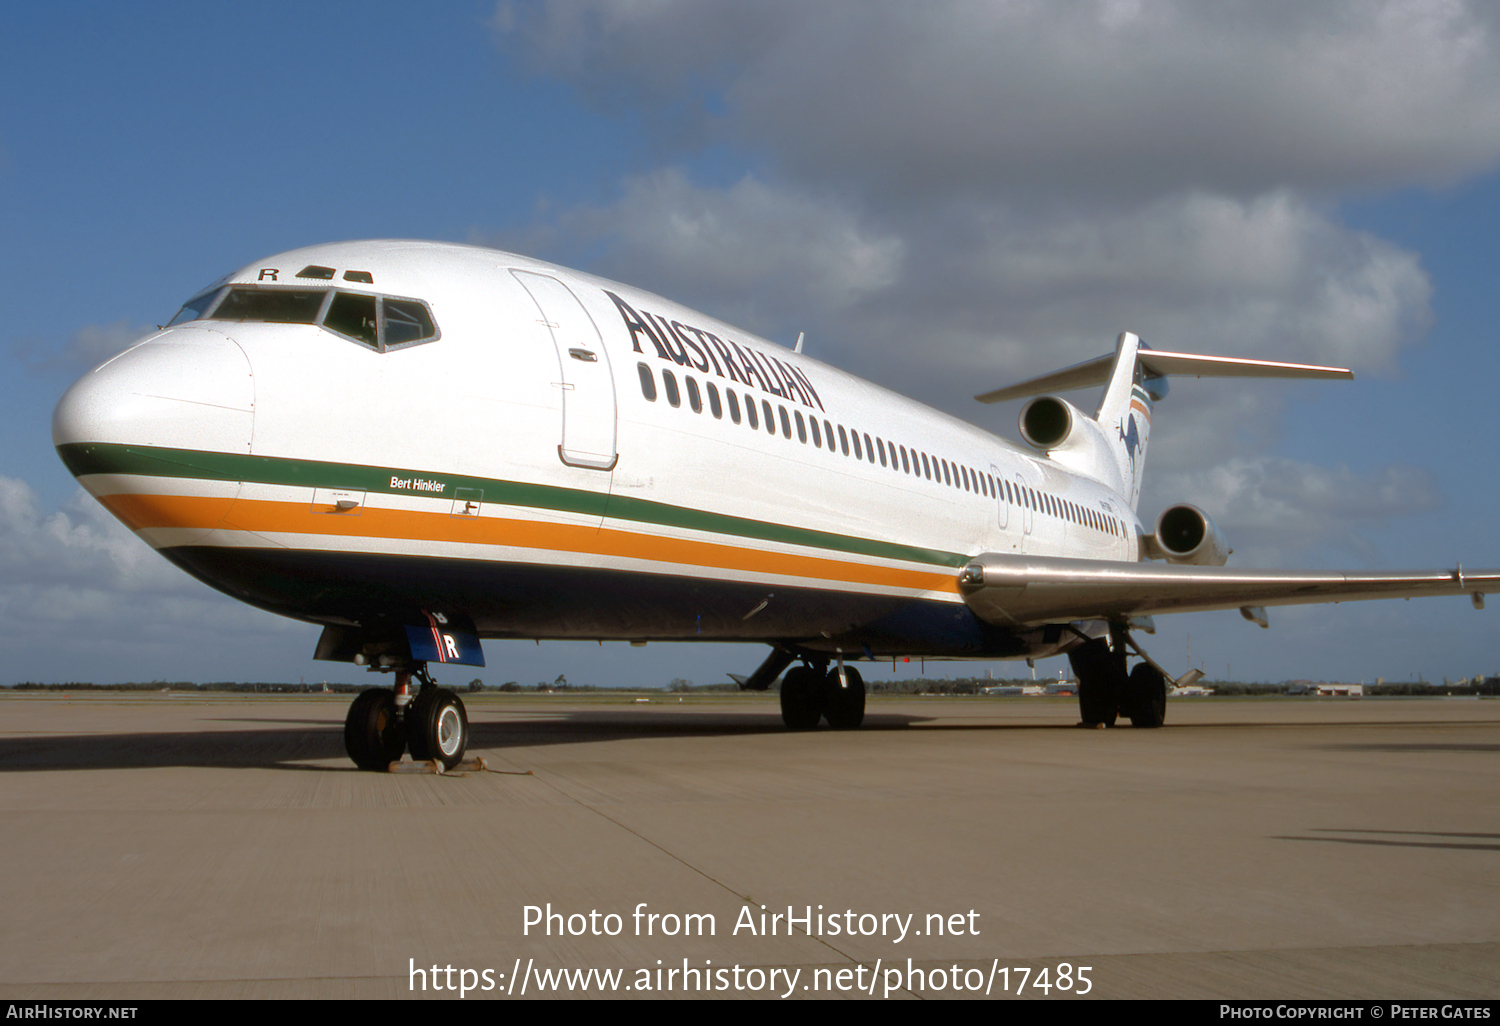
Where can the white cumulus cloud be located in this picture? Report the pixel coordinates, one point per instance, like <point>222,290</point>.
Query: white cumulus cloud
<point>1071,95</point>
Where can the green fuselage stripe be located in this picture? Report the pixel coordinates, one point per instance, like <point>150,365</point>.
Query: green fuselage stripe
<point>84,458</point>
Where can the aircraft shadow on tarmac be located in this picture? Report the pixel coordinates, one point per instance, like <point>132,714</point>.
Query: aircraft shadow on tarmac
<point>1436,839</point>
<point>304,742</point>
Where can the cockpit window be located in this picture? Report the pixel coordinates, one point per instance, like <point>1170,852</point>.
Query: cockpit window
<point>194,308</point>
<point>280,306</point>
<point>353,315</point>
<point>404,322</point>
<point>380,322</point>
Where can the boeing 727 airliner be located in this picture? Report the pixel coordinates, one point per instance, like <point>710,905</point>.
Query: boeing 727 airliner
<point>419,445</point>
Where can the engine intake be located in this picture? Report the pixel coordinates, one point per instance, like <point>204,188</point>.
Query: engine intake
<point>1185,534</point>
<point>1046,422</point>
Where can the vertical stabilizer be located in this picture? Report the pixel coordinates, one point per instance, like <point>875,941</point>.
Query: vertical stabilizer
<point>1125,415</point>
<point>1113,449</point>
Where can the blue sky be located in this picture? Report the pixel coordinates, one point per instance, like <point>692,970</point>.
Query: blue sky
<point>945,197</point>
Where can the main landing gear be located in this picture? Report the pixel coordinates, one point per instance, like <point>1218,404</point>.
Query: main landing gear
<point>382,723</point>
<point>1106,690</point>
<point>810,693</point>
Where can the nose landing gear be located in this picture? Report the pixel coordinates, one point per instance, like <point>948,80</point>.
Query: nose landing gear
<point>383,722</point>
<point>373,734</point>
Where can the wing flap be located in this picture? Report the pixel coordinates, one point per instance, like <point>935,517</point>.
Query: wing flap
<point>1016,590</point>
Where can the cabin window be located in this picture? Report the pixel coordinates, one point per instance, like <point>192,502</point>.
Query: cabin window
<point>817,435</point>
<point>880,447</point>
<point>858,453</point>
<point>926,467</point>
<point>843,440</point>
<point>947,477</point>
<point>869,449</point>
<point>786,423</point>
<point>828,433</point>
<point>751,417</point>
<point>765,408</point>
<point>669,381</point>
<point>734,405</point>
<point>802,428</point>
<point>694,399</point>
<point>648,382</point>
<point>713,402</point>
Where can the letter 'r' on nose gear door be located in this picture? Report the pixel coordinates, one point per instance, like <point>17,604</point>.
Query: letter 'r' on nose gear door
<point>588,388</point>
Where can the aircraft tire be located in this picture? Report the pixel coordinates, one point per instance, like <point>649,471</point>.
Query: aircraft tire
<point>372,731</point>
<point>1146,696</point>
<point>1100,683</point>
<point>844,706</point>
<point>437,727</point>
<point>802,698</point>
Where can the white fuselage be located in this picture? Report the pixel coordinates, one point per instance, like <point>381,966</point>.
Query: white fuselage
<point>511,469</point>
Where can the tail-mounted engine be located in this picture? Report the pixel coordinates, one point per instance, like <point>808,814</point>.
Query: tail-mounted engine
<point>1069,437</point>
<point>1186,535</point>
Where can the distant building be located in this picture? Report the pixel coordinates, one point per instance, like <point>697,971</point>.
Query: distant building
<point>1015,689</point>
<point>1305,687</point>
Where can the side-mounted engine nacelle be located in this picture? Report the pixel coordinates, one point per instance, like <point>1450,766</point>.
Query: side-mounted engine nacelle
<point>1069,437</point>
<point>1185,534</point>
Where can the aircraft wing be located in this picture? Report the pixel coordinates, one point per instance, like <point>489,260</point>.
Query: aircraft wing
<point>1014,590</point>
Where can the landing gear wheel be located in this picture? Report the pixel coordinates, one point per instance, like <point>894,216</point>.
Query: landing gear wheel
<point>802,698</point>
<point>437,727</point>
<point>1101,679</point>
<point>1146,696</point>
<point>844,705</point>
<point>372,732</point>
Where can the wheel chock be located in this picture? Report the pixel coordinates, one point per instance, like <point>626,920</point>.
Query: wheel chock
<point>434,767</point>
<point>427,766</point>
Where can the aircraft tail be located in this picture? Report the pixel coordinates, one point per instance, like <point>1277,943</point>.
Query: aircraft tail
<point>1125,416</point>
<point>1112,445</point>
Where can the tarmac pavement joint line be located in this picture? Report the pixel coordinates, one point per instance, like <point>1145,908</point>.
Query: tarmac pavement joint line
<point>744,898</point>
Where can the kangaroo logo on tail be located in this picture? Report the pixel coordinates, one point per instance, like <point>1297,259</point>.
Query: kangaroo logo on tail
<point>1132,439</point>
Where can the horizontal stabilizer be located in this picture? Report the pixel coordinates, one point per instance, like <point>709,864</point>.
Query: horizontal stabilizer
<point>1159,364</point>
<point>1013,590</point>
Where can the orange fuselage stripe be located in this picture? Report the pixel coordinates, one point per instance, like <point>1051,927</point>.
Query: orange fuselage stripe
<point>264,516</point>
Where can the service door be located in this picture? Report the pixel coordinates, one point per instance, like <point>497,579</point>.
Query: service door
<point>1001,505</point>
<point>1019,483</point>
<point>588,388</point>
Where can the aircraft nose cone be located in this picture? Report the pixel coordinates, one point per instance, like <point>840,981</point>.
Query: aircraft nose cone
<point>186,388</point>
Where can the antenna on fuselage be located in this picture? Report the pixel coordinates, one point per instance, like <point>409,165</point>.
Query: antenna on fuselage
<point>798,347</point>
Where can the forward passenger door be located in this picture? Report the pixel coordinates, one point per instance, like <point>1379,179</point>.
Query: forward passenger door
<point>588,387</point>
